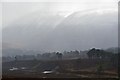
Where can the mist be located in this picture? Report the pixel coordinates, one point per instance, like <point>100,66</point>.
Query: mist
<point>58,29</point>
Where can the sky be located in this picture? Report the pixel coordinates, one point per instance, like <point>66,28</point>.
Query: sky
<point>14,9</point>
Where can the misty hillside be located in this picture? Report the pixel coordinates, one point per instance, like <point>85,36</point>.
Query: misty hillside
<point>30,30</point>
<point>80,30</point>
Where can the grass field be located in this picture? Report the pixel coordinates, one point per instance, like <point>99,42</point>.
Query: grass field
<point>73,68</point>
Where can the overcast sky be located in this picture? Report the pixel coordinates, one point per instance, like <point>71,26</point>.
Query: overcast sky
<point>14,9</point>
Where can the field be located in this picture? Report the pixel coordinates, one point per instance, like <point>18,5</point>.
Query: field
<point>74,68</point>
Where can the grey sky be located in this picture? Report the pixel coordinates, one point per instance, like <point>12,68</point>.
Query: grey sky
<point>20,12</point>
<point>13,11</point>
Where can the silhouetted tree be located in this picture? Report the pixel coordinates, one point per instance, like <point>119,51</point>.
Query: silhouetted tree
<point>59,55</point>
<point>99,69</point>
<point>91,53</point>
<point>97,53</point>
<point>16,58</point>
